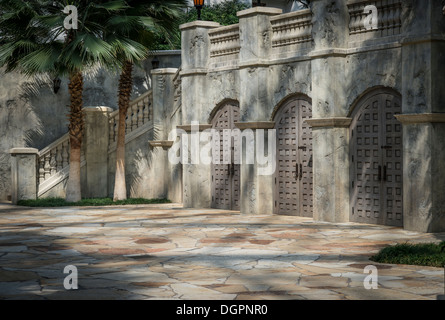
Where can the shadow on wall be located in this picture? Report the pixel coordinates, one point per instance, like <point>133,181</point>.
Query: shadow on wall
<point>140,170</point>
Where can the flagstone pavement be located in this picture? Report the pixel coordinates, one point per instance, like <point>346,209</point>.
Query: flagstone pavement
<point>167,252</point>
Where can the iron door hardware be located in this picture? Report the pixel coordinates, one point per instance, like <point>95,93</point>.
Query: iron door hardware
<point>297,174</point>
<point>301,171</point>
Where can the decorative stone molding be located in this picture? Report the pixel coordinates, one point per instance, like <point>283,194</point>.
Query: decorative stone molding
<point>330,122</point>
<point>292,28</point>
<point>188,127</point>
<point>334,52</point>
<point>16,151</point>
<point>255,125</point>
<point>164,71</point>
<point>199,24</point>
<point>164,144</point>
<point>389,19</point>
<point>259,10</point>
<point>418,118</point>
<point>224,41</point>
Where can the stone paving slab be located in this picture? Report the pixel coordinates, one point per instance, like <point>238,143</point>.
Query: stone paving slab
<point>167,252</point>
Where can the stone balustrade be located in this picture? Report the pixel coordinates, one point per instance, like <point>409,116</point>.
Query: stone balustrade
<point>388,14</point>
<point>225,41</point>
<point>292,29</point>
<point>138,114</point>
<point>53,159</point>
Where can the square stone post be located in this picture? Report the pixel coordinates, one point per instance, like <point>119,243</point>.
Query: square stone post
<point>256,180</point>
<point>329,111</point>
<point>256,46</point>
<point>23,174</point>
<point>195,59</point>
<point>423,118</point>
<point>96,151</point>
<point>160,169</point>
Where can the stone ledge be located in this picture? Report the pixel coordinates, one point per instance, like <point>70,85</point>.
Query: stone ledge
<point>164,144</point>
<point>330,122</point>
<point>188,127</point>
<point>258,11</point>
<point>98,109</point>
<point>164,71</point>
<point>199,24</point>
<point>255,125</point>
<point>193,72</point>
<point>334,52</point>
<point>15,151</point>
<point>417,118</point>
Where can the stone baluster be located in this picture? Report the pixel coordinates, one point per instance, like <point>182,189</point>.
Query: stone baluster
<point>47,166</point>
<point>59,159</point>
<point>53,162</point>
<point>134,116</point>
<point>41,169</point>
<point>128,122</point>
<point>140,108</point>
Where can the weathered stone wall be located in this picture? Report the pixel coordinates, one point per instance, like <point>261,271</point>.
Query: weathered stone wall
<point>32,115</point>
<point>326,54</point>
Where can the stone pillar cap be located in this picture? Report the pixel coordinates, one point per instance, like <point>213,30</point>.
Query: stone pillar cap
<point>98,109</point>
<point>259,10</point>
<point>164,71</point>
<point>23,151</point>
<point>199,24</point>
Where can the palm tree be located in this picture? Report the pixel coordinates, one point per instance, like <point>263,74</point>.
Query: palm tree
<point>151,18</point>
<point>34,41</point>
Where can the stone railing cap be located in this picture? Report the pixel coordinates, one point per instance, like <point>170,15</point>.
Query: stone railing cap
<point>23,151</point>
<point>98,109</point>
<point>199,24</point>
<point>164,71</point>
<point>259,10</point>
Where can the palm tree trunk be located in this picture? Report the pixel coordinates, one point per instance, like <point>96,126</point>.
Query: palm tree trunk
<point>125,88</point>
<point>76,125</point>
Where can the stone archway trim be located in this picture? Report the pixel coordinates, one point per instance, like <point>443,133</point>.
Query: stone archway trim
<point>417,118</point>
<point>330,122</point>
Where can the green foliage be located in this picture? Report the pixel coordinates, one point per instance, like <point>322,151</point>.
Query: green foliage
<point>425,254</point>
<point>59,202</point>
<point>223,13</point>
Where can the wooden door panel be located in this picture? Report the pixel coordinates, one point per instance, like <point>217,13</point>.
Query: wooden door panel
<point>376,161</point>
<point>293,177</point>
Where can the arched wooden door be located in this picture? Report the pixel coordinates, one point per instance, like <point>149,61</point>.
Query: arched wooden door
<point>226,177</point>
<point>293,177</point>
<point>376,160</point>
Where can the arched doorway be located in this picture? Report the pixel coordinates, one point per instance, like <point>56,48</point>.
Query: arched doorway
<point>376,160</point>
<point>226,176</point>
<point>293,177</point>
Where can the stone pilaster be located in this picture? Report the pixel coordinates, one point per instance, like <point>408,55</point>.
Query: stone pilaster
<point>23,174</point>
<point>195,59</point>
<point>162,172</point>
<point>256,46</point>
<point>96,151</point>
<point>330,138</point>
<point>329,95</point>
<point>257,173</point>
<point>423,118</point>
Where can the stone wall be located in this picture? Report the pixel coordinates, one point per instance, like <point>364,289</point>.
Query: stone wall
<point>32,115</point>
<point>328,54</point>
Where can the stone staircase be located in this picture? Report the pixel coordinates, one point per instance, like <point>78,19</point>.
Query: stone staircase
<point>53,161</point>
